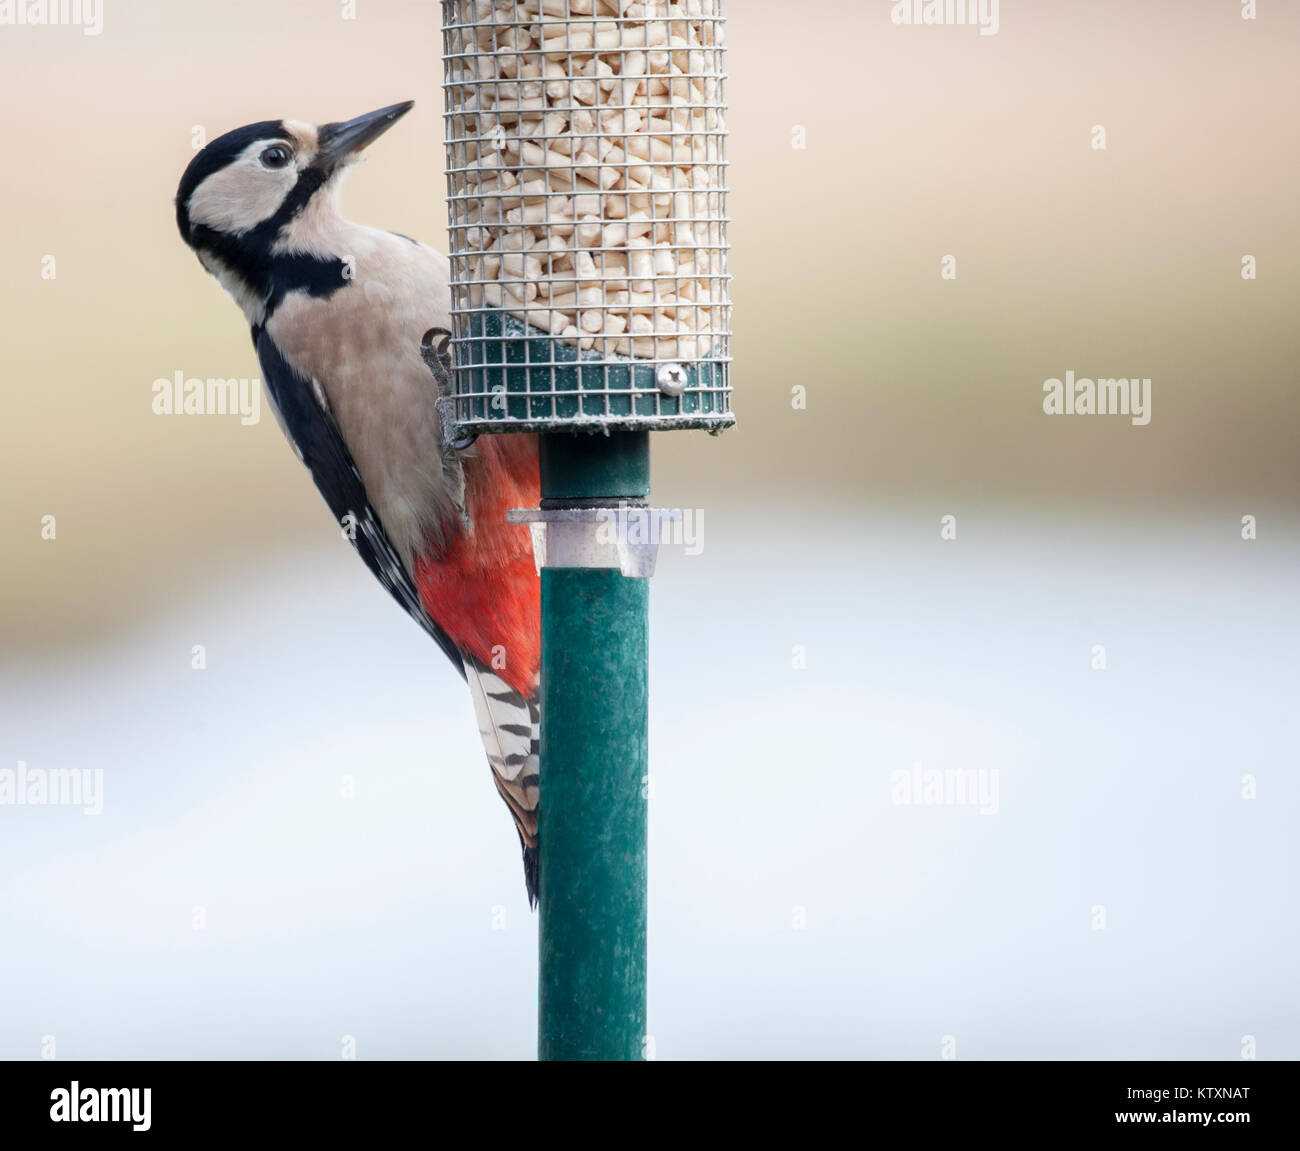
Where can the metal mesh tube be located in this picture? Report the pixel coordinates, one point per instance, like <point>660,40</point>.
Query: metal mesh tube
<point>586,170</point>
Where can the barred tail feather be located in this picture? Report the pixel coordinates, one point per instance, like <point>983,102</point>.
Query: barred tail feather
<point>510,726</point>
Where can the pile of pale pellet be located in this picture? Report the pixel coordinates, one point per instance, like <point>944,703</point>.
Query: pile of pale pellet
<point>588,171</point>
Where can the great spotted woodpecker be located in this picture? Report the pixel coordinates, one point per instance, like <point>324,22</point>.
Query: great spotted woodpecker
<point>339,313</point>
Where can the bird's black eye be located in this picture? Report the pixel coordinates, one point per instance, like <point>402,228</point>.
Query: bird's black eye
<point>275,156</point>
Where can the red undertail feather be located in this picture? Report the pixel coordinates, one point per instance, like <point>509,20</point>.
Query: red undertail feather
<point>483,589</point>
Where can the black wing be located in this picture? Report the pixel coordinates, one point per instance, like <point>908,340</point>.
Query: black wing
<point>319,444</point>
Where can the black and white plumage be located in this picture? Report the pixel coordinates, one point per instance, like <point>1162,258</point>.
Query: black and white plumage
<point>338,313</point>
<point>310,429</point>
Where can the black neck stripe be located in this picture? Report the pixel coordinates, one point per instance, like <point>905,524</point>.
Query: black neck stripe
<point>249,254</point>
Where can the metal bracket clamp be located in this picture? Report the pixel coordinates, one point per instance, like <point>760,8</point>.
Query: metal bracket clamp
<point>624,536</point>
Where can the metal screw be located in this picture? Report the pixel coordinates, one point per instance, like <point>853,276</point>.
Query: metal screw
<point>671,379</point>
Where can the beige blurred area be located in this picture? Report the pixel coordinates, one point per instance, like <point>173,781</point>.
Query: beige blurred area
<point>919,143</point>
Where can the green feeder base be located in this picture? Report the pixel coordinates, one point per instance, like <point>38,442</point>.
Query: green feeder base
<point>510,377</point>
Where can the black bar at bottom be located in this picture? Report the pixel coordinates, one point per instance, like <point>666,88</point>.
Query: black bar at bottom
<point>363,1100</point>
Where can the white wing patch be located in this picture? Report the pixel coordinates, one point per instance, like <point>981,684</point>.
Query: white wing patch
<point>510,727</point>
<point>390,571</point>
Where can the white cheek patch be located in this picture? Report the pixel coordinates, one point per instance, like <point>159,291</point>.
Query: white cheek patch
<point>243,194</point>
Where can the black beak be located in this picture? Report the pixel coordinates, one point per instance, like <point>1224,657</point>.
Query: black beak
<point>337,142</point>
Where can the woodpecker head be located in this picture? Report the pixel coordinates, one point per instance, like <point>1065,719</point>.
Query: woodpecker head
<point>253,202</point>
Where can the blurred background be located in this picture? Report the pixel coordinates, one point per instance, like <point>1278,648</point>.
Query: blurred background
<point>301,843</point>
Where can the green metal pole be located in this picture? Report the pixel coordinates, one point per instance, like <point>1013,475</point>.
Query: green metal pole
<point>592,826</point>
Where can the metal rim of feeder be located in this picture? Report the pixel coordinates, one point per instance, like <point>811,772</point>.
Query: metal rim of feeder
<point>586,172</point>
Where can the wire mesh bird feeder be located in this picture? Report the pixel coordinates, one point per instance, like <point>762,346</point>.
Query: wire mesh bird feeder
<point>586,172</point>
